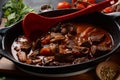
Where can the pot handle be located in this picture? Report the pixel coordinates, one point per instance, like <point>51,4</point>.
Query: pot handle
<point>114,15</point>
<point>3,53</point>
<point>2,32</point>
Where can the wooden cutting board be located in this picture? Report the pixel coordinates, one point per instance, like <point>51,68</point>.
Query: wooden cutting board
<point>8,67</point>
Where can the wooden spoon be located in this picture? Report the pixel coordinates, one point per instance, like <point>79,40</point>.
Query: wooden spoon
<point>34,25</point>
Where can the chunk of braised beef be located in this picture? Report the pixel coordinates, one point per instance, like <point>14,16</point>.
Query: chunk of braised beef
<point>103,48</point>
<point>76,50</point>
<point>70,44</point>
<point>80,60</point>
<point>68,51</point>
<point>99,50</point>
<point>56,28</point>
<point>93,49</point>
<point>54,63</point>
<point>56,37</point>
<point>36,45</point>
<point>82,41</point>
<point>53,47</point>
<point>71,29</point>
<point>64,57</point>
<point>62,49</point>
<point>40,60</point>
<point>84,50</point>
<point>96,37</point>
<point>68,28</point>
<point>107,42</point>
<point>36,61</point>
<point>22,56</point>
<point>65,64</point>
<point>80,29</point>
<point>34,53</point>
<point>70,36</point>
<point>69,39</point>
<point>87,31</point>
<point>28,61</point>
<point>85,43</point>
<point>17,48</point>
<point>106,45</point>
<point>47,60</point>
<point>80,51</point>
<point>64,31</point>
<point>26,50</point>
<point>46,39</point>
<point>24,44</point>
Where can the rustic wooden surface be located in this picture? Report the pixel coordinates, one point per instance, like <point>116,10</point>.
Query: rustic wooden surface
<point>8,67</point>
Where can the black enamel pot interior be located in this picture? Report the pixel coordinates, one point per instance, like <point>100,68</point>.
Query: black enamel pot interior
<point>106,22</point>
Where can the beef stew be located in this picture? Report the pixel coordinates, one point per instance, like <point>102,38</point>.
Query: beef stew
<point>65,44</point>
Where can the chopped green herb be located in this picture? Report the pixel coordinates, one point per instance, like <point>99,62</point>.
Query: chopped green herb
<point>2,78</point>
<point>108,74</point>
<point>14,10</point>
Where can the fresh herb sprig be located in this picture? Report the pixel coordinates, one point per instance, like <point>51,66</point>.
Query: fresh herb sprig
<point>2,78</point>
<point>14,10</point>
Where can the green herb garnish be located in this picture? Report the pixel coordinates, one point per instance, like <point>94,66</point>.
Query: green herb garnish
<point>14,10</point>
<point>2,78</point>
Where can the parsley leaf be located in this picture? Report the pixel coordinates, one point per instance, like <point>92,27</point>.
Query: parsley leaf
<point>14,10</point>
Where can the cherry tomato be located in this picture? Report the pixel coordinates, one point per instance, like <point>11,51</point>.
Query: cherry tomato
<point>73,1</point>
<point>91,5</point>
<point>80,6</point>
<point>90,1</point>
<point>108,10</point>
<point>63,5</point>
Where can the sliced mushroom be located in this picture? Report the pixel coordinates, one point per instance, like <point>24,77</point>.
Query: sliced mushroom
<point>22,56</point>
<point>56,37</point>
